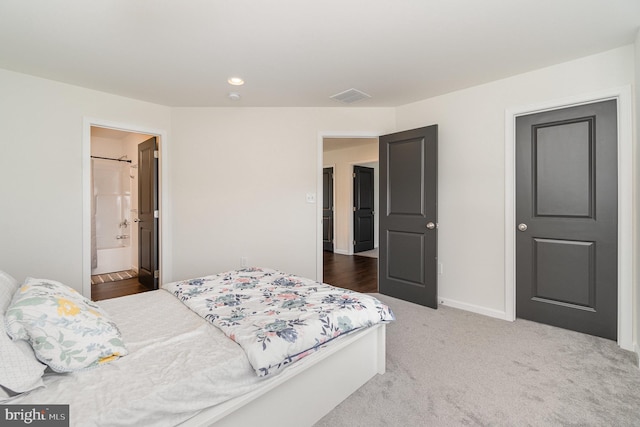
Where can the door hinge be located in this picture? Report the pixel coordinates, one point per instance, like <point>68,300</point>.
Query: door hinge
<point>156,274</point>
<point>354,208</point>
<point>156,214</point>
<point>354,243</point>
<point>156,154</point>
<point>354,174</point>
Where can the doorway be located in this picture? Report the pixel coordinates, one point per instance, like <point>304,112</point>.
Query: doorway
<point>111,238</point>
<point>341,266</point>
<point>115,243</point>
<point>623,95</point>
<point>566,210</point>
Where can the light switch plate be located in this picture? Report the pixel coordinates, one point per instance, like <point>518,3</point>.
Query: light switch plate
<point>311,197</point>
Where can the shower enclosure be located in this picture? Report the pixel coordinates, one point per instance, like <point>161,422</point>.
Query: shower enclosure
<point>111,216</point>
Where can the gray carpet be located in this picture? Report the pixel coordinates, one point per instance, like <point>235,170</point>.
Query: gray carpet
<point>450,367</point>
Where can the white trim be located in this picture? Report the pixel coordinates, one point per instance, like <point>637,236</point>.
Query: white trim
<point>341,252</point>
<point>165,237</point>
<point>625,200</point>
<point>320,154</point>
<point>474,308</point>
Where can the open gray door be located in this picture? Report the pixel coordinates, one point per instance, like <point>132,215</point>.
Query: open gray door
<point>567,216</point>
<point>148,214</point>
<point>408,254</point>
<point>363,202</point>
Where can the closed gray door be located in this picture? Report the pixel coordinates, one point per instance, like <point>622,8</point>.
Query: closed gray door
<point>327,209</point>
<point>408,204</point>
<point>147,213</point>
<point>566,213</point>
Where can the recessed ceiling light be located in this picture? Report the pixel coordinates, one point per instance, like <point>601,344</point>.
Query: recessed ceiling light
<point>234,96</point>
<point>236,81</point>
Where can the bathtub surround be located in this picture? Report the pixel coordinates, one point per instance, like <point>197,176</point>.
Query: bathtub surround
<point>112,214</point>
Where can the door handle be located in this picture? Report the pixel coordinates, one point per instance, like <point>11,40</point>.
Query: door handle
<point>522,227</point>
<point>137,220</point>
<point>431,225</point>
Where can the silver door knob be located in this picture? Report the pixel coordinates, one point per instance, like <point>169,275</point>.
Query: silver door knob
<point>431,225</point>
<point>522,227</point>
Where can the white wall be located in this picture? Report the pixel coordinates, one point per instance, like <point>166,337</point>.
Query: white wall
<point>471,187</point>
<point>239,181</point>
<point>343,160</point>
<point>41,180</point>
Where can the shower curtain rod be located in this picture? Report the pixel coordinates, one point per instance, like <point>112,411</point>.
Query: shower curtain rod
<point>107,158</point>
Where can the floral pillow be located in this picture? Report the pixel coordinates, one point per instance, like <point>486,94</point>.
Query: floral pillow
<point>66,330</point>
<point>20,371</point>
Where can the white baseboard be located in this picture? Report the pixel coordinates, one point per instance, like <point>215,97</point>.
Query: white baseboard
<point>637,350</point>
<point>341,251</point>
<point>474,308</point>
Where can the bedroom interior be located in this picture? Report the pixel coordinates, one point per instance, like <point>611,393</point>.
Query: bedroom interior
<point>241,179</point>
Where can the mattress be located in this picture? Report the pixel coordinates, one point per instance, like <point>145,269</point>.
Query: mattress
<point>177,366</point>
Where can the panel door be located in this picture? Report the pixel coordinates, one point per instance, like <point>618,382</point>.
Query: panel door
<point>408,203</point>
<point>327,209</point>
<point>566,211</point>
<point>363,203</point>
<point>147,208</point>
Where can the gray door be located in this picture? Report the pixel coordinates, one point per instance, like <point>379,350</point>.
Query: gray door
<point>327,209</point>
<point>566,211</point>
<point>363,202</point>
<point>408,216</point>
<point>147,213</point>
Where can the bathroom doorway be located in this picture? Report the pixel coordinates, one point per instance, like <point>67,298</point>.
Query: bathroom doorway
<point>115,244</point>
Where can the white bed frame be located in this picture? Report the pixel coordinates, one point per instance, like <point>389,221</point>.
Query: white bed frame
<point>302,395</point>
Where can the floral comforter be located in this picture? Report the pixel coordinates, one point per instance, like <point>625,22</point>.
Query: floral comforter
<point>277,318</point>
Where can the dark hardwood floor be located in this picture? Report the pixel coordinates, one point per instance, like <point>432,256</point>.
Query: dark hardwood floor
<point>357,273</point>
<point>116,289</point>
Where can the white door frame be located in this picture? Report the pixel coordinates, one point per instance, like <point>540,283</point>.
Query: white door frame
<point>625,201</point>
<point>320,154</point>
<point>164,244</point>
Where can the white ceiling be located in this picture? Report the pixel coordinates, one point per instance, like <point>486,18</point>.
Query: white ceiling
<point>300,52</point>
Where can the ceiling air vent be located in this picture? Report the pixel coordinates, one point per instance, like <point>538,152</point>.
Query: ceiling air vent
<point>350,96</point>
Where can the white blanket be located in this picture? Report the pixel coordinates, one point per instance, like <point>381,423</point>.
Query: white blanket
<point>177,366</point>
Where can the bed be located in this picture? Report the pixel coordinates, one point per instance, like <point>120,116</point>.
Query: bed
<point>181,369</point>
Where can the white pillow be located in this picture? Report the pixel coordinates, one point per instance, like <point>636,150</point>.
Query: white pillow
<point>20,371</point>
<point>67,331</point>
